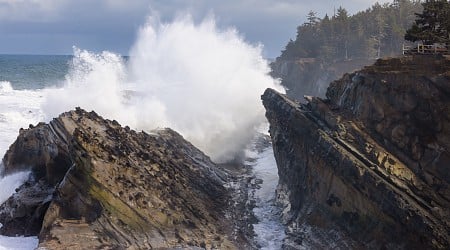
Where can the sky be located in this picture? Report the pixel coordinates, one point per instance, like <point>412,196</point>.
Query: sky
<point>55,26</point>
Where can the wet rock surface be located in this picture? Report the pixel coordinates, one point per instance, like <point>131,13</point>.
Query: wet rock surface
<point>95,184</point>
<point>368,167</point>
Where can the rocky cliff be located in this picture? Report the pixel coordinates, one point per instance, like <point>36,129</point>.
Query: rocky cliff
<point>97,185</point>
<point>369,166</point>
<point>311,76</point>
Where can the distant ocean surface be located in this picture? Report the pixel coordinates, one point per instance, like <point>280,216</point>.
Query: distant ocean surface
<point>23,81</point>
<point>33,71</point>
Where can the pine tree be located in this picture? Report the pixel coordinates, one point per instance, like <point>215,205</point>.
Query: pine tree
<point>342,24</point>
<point>432,25</point>
<point>377,31</point>
<point>312,18</point>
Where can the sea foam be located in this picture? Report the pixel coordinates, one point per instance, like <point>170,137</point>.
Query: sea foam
<point>9,184</point>
<point>5,87</point>
<point>18,108</point>
<point>200,80</point>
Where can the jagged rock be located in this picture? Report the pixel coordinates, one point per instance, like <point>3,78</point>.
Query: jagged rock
<point>120,189</point>
<point>369,166</point>
<point>41,150</point>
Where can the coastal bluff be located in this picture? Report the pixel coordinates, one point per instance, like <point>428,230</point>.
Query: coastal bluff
<point>97,185</point>
<point>367,167</point>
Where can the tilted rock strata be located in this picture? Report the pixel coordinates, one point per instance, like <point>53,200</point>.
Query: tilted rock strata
<point>123,189</point>
<point>404,103</point>
<point>372,160</point>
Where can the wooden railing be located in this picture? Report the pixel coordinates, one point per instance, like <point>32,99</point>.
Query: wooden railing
<point>426,49</point>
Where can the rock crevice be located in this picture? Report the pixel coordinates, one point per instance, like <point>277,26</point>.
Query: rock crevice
<point>371,161</point>
<point>107,186</point>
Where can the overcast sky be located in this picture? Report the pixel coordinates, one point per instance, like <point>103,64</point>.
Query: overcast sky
<point>54,26</point>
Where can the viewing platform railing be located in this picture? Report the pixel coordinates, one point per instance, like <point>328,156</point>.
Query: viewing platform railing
<point>426,49</point>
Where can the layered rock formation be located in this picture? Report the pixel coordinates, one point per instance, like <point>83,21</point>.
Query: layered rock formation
<point>368,167</point>
<point>311,76</point>
<point>95,184</point>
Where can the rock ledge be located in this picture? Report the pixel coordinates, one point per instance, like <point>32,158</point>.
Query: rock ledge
<point>369,166</point>
<point>95,184</point>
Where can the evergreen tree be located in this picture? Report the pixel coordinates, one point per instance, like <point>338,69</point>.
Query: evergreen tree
<point>380,31</point>
<point>312,18</point>
<point>342,24</point>
<point>327,50</point>
<point>432,25</point>
<point>376,32</point>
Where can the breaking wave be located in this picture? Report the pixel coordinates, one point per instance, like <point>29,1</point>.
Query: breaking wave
<point>200,80</point>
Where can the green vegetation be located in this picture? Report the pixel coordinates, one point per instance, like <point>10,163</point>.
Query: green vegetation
<point>432,25</point>
<point>376,32</point>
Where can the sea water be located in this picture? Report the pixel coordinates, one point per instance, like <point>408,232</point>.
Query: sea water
<point>269,231</point>
<point>23,80</point>
<point>200,80</point>
<point>21,99</point>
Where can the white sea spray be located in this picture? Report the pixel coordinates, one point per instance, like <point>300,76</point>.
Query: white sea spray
<point>200,80</point>
<point>18,108</point>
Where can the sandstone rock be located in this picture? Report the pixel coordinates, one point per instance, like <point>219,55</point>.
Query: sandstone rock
<point>368,166</point>
<point>109,187</point>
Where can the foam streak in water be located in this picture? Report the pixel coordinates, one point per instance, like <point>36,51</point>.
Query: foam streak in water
<point>269,230</point>
<point>18,108</point>
<point>195,78</point>
<point>18,243</point>
<point>9,184</point>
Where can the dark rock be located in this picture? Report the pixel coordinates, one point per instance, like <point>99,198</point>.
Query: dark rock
<point>369,166</point>
<point>96,185</point>
<point>41,150</point>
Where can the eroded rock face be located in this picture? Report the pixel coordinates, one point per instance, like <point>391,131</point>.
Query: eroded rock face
<point>369,166</point>
<point>40,149</point>
<point>121,189</point>
<point>405,104</point>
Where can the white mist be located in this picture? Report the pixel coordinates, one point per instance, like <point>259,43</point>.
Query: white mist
<point>202,81</point>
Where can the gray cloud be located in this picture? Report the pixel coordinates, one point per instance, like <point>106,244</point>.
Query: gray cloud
<point>54,26</point>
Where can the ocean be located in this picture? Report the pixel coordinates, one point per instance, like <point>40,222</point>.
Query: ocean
<point>195,78</point>
<point>23,80</point>
<point>25,83</point>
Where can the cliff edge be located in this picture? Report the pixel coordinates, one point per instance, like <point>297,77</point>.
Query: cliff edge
<point>97,185</point>
<point>368,167</point>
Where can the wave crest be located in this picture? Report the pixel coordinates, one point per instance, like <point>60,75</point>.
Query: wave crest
<point>195,78</point>
<point>5,87</point>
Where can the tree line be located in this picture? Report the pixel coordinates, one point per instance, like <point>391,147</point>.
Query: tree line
<point>432,25</point>
<point>373,33</point>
